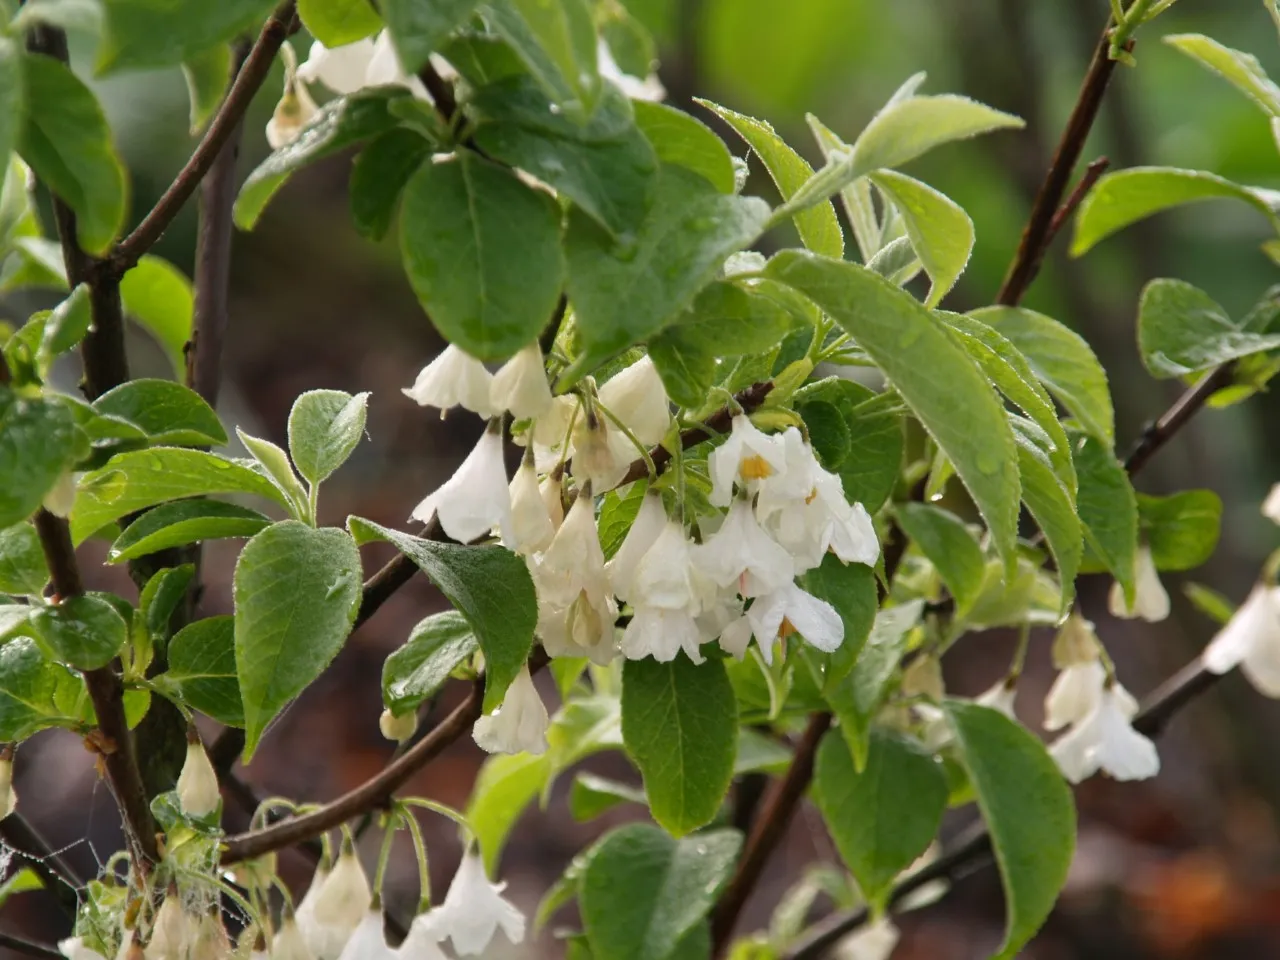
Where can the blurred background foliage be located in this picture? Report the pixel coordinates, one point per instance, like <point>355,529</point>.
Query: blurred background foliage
<point>1187,865</point>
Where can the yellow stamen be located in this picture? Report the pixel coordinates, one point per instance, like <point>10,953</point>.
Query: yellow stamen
<point>785,629</point>
<point>755,467</point>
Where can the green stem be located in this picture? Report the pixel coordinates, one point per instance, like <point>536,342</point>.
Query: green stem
<point>440,808</point>
<point>635,442</point>
<point>1020,652</point>
<point>384,855</point>
<point>420,850</point>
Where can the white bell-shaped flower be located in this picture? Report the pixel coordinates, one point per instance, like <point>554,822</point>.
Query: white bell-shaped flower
<point>368,942</point>
<point>304,915</point>
<point>452,379</point>
<point>74,948</point>
<point>1075,694</point>
<point>475,499</point>
<point>8,796</point>
<point>575,560</point>
<point>583,628</point>
<point>296,108</point>
<point>473,910</point>
<point>649,88</point>
<point>1271,506</point>
<point>398,727</point>
<point>665,601</point>
<point>552,490</point>
<point>789,609</point>
<point>1251,640</point>
<point>650,521</point>
<point>340,904</point>
<point>602,454</point>
<point>1105,740</point>
<point>288,943</point>
<point>62,496</point>
<point>1000,697</point>
<point>746,457</point>
<point>342,69</point>
<point>532,528</point>
<point>519,725</point>
<point>384,68</point>
<point>210,941</point>
<point>422,942</point>
<point>198,793</point>
<point>521,386</point>
<point>550,431</point>
<point>662,633</point>
<point>741,553</point>
<point>172,932</point>
<point>636,396</point>
<point>873,942</point>
<point>1150,600</point>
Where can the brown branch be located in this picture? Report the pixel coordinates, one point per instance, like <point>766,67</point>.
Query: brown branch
<point>370,795</point>
<point>1157,434</point>
<point>1038,231</point>
<point>775,816</point>
<point>220,131</point>
<point>106,692</point>
<point>28,947</point>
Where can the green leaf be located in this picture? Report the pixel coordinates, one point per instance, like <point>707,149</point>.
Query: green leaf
<point>1181,330</point>
<point>757,752</point>
<point>857,698</point>
<point>557,41</point>
<point>900,132</point>
<point>734,317</point>
<point>65,139</point>
<point>202,662</point>
<point>420,27</point>
<point>896,262</point>
<point>870,469</point>
<point>324,427</point>
<point>617,512</point>
<point>856,196</point>
<point>590,796</point>
<point>680,725</point>
<point>82,631</point>
<point>166,589</point>
<point>297,590</point>
<point>505,786</point>
<point>143,478</point>
<point>941,232</point>
<point>167,412</point>
<point>490,586</point>
<point>1028,809</point>
<point>482,251</point>
<point>819,229</point>
<point>828,433</point>
<point>24,880</point>
<point>642,891</point>
<point>624,296</point>
<point>1108,509</point>
<point>35,693</point>
<point>341,123</point>
<point>606,166</point>
<point>11,97</point>
<point>685,141</point>
<point>208,75</point>
<point>1063,362</point>
<point>66,326</point>
<point>881,817</point>
<point>38,443</point>
<point>945,540</point>
<point>182,522</point>
<point>1181,529</point>
<point>83,16</point>
<point>1054,508</point>
<point>1119,199</point>
<point>686,362</point>
<point>960,411</point>
<point>1241,70</point>
<point>379,175</point>
<point>851,589</point>
<point>162,33</point>
<point>36,262</point>
<point>22,566</point>
<point>335,23</point>
<point>275,464</point>
<point>159,296</point>
<point>419,668</point>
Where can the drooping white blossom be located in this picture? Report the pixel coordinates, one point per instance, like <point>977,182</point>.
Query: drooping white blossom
<point>873,942</point>
<point>532,527</point>
<point>340,904</point>
<point>602,454</point>
<point>552,489</point>
<point>367,941</point>
<point>636,396</point>
<point>1077,689</point>
<point>521,386</point>
<point>519,725</point>
<point>473,911</point>
<point>1150,600</point>
<point>664,601</point>
<point>198,793</point>
<point>74,948</point>
<point>649,88</point>
<point>576,611</point>
<point>746,457</point>
<point>342,69</point>
<point>294,110</point>
<point>1000,697</point>
<point>210,941</point>
<point>789,609</point>
<point>172,932</point>
<point>398,727</point>
<point>62,496</point>
<point>1106,740</point>
<point>288,943</point>
<point>741,553</point>
<point>1251,640</point>
<point>476,498</point>
<point>647,526</point>
<point>422,941</point>
<point>452,379</point>
<point>1271,506</point>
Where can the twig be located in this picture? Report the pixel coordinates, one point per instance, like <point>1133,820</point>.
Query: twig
<point>58,876</point>
<point>105,690</point>
<point>1157,434</point>
<point>220,131</point>
<point>29,947</point>
<point>369,795</point>
<point>775,816</point>
<point>1036,235</point>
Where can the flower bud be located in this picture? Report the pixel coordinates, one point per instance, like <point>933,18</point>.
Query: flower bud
<point>172,932</point>
<point>398,728</point>
<point>198,793</point>
<point>289,944</point>
<point>210,941</point>
<point>1076,643</point>
<point>62,497</point>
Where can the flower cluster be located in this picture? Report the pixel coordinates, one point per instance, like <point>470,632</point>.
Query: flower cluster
<point>785,513</point>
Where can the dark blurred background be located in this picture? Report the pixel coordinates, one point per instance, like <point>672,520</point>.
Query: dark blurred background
<point>1183,866</point>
